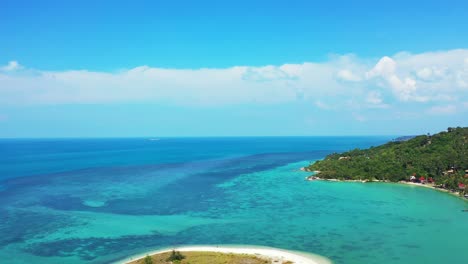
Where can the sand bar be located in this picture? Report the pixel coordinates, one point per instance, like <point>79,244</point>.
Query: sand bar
<point>275,254</point>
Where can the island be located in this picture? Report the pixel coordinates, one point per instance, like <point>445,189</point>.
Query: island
<point>226,254</point>
<point>438,161</point>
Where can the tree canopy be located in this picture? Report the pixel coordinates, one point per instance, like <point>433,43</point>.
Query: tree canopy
<point>443,156</point>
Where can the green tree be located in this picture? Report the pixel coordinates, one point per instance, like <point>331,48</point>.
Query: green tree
<point>175,256</point>
<point>148,260</point>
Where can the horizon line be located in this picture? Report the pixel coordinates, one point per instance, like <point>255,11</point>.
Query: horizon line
<point>208,136</point>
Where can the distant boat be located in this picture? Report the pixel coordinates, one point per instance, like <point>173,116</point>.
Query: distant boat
<point>154,139</point>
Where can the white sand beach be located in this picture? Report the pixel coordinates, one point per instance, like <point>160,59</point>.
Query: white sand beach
<point>274,254</point>
<point>432,186</point>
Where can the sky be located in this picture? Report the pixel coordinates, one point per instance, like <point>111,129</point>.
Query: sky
<point>232,68</point>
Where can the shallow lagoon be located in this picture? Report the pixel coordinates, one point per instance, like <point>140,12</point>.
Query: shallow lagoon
<point>96,201</point>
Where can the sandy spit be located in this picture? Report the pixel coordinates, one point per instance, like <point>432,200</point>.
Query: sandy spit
<point>275,254</point>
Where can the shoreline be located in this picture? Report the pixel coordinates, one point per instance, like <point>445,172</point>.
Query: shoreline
<point>263,252</point>
<point>427,185</point>
<point>431,186</point>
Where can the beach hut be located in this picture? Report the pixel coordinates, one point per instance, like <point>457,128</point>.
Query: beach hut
<point>422,179</point>
<point>461,186</point>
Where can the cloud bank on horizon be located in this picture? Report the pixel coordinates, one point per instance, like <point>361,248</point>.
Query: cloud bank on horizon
<point>434,81</point>
<point>400,87</point>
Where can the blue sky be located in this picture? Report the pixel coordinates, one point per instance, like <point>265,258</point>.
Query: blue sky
<point>217,68</point>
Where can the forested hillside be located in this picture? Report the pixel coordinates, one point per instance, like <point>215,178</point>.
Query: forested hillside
<point>443,156</point>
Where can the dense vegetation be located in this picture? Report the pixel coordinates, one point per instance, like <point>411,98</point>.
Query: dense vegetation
<point>443,157</point>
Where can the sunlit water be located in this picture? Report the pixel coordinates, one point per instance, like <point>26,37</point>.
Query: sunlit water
<point>97,201</point>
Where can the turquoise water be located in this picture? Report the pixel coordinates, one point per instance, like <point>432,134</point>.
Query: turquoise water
<point>97,201</point>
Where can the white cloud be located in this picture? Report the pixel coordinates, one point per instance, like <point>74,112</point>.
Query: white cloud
<point>271,84</point>
<point>403,88</point>
<point>11,66</point>
<point>385,67</point>
<point>270,73</point>
<point>428,78</point>
<point>425,73</point>
<point>374,98</point>
<point>430,74</point>
<point>348,75</point>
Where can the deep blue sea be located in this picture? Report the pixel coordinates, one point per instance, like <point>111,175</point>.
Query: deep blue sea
<point>101,200</point>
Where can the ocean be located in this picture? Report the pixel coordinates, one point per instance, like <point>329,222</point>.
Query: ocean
<point>101,200</point>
